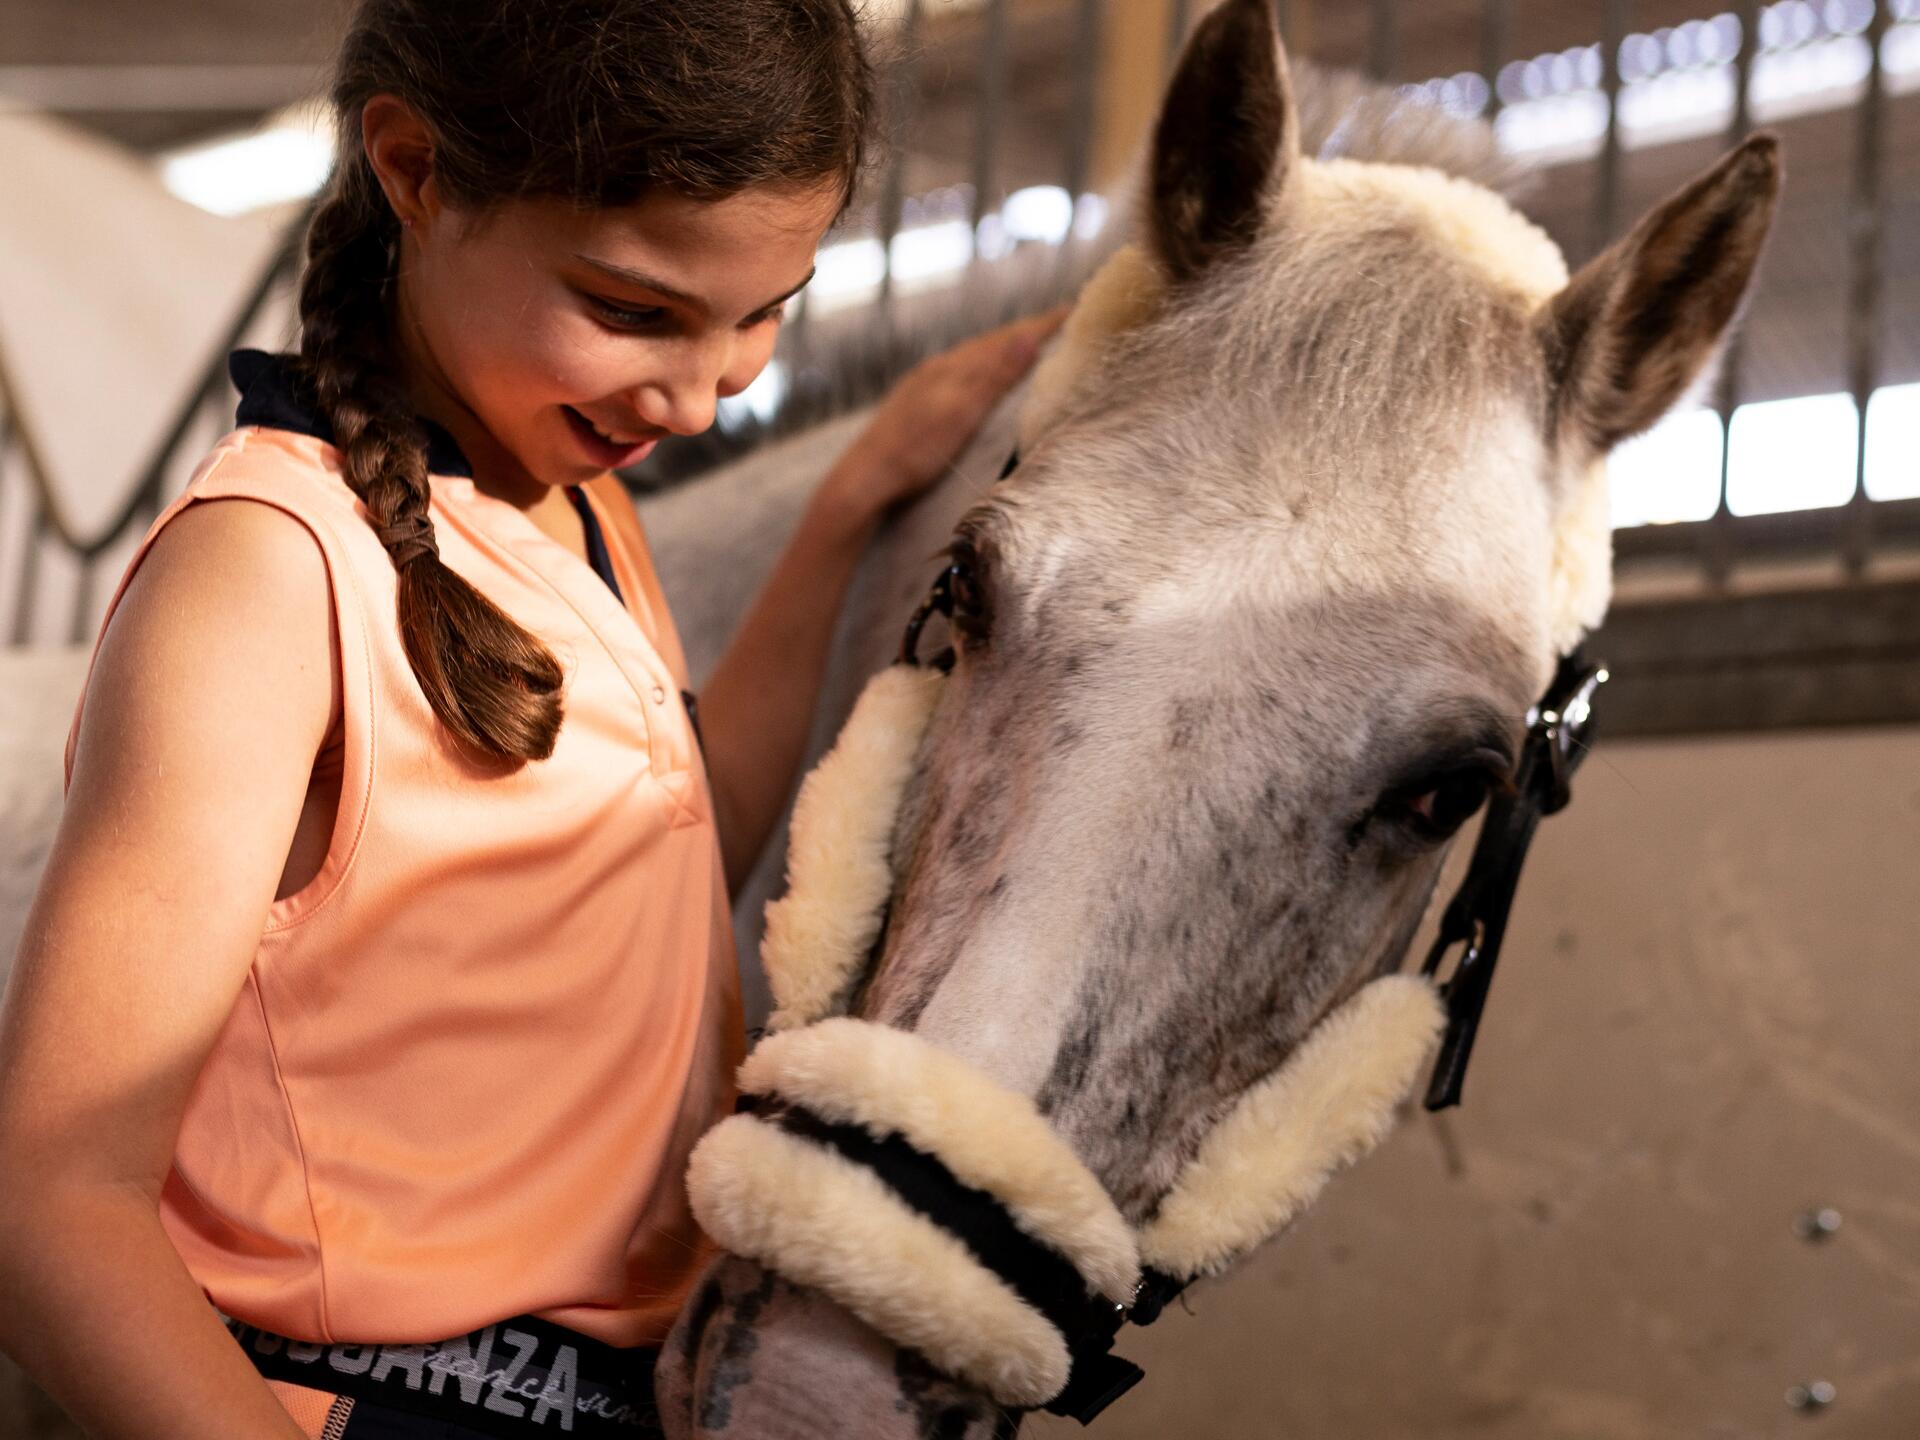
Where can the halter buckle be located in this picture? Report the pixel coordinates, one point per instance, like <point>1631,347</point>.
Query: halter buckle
<point>1558,738</point>
<point>939,599</point>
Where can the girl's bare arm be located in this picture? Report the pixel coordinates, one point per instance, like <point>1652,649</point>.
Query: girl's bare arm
<point>213,690</point>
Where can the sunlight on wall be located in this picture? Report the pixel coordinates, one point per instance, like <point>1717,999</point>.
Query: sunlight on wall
<point>1893,443</point>
<point>287,158</point>
<point>1670,473</point>
<point>1793,454</point>
<point>1796,454</point>
<point>1678,82</point>
<point>938,250</point>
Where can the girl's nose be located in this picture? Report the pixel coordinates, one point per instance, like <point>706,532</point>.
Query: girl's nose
<point>683,399</point>
<point>681,407</point>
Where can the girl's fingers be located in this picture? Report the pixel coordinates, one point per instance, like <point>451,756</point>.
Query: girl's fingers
<point>1015,346</point>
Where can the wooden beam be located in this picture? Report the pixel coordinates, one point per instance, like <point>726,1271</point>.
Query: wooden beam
<point>1843,656</point>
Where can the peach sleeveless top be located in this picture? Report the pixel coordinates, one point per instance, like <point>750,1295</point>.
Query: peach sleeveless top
<point>462,1077</point>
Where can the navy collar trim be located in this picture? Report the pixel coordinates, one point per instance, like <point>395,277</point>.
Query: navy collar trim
<point>597,554</point>
<point>273,393</point>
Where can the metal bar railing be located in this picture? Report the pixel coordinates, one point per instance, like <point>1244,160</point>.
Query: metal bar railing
<point>1077,162</point>
<point>1496,30</point>
<point>1717,534</point>
<point>48,527</point>
<point>1383,40</point>
<point>1606,190</point>
<point>39,532</point>
<point>992,93</point>
<point>1864,263</point>
<point>893,188</point>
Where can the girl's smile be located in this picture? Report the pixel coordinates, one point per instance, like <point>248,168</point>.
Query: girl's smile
<point>610,451</point>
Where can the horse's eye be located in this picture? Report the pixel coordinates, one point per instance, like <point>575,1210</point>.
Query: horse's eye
<point>1437,806</point>
<point>964,583</point>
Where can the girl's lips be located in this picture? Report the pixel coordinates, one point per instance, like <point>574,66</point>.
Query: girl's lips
<point>604,454</point>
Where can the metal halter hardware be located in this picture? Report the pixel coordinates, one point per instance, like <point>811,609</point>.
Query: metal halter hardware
<point>1559,734</point>
<point>940,599</point>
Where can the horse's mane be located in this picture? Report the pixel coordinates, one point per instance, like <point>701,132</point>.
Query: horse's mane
<point>850,360</point>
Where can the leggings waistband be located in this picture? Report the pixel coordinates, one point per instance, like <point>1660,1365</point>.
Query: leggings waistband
<point>515,1378</point>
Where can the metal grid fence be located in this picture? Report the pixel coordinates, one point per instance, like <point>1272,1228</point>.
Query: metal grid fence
<point>1605,77</point>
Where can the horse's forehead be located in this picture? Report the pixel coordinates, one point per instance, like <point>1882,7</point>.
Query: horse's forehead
<point>1193,553</point>
<point>1363,444</point>
<point>1468,221</point>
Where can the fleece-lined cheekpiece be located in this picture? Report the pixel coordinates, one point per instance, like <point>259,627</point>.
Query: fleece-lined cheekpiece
<point>811,1214</point>
<point>839,873</point>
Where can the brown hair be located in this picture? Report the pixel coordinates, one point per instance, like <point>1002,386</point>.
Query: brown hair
<point>596,102</point>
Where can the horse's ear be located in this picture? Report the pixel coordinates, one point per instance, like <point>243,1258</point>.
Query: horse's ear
<point>1226,137</point>
<point>1639,323</point>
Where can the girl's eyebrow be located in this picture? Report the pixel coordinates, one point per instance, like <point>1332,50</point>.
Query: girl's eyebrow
<point>648,282</point>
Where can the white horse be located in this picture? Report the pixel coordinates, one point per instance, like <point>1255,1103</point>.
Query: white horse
<point>1310,500</point>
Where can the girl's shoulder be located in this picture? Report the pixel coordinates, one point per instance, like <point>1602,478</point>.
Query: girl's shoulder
<point>288,546</point>
<point>227,614</point>
<point>292,471</point>
<point>223,597</point>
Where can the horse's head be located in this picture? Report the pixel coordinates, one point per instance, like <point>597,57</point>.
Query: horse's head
<point>1310,500</point>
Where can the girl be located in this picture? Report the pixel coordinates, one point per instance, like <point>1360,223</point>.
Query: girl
<point>380,978</point>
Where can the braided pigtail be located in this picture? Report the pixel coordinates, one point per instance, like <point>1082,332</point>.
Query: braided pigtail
<point>493,685</point>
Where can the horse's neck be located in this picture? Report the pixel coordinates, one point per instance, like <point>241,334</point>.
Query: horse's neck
<point>716,539</point>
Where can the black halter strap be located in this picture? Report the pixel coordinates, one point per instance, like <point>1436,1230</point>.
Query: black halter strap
<point>1040,1275</point>
<point>1559,734</point>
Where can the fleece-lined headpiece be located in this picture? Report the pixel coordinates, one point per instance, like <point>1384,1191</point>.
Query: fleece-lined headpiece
<point>778,1187</point>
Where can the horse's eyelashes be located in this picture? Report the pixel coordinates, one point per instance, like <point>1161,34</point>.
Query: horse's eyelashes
<point>1434,806</point>
<point>967,582</point>
<point>1451,802</point>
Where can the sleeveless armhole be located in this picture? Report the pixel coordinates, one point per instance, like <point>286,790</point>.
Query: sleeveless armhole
<point>354,675</point>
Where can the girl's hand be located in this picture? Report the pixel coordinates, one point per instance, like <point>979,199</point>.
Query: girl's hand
<point>931,414</point>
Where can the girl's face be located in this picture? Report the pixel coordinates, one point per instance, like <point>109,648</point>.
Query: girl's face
<point>559,343</point>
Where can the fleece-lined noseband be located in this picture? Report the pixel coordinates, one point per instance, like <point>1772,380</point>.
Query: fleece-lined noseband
<point>939,1206</point>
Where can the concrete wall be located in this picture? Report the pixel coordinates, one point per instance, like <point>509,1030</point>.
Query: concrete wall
<point>1704,1025</point>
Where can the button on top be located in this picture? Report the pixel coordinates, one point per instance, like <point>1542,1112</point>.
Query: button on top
<point>659,695</point>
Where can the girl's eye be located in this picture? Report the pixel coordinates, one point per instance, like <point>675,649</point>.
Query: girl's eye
<point>647,317</point>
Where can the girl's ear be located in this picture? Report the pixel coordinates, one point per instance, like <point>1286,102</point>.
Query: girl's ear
<point>399,146</point>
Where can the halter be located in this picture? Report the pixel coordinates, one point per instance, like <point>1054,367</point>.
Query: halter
<point>941,1208</point>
